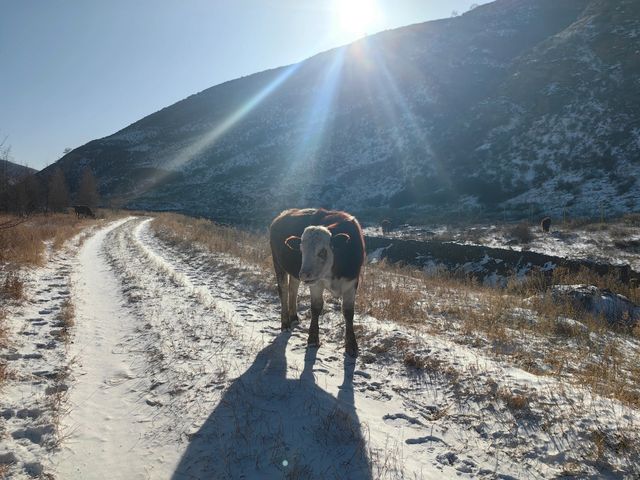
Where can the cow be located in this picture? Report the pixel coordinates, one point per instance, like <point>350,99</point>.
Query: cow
<point>545,224</point>
<point>325,250</point>
<point>84,211</point>
<point>386,226</point>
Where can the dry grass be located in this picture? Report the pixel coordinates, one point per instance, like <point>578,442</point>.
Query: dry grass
<point>65,320</point>
<point>562,276</point>
<point>25,243</point>
<point>13,287</point>
<point>513,401</point>
<point>521,233</point>
<point>185,231</point>
<point>4,329</point>
<point>4,342</point>
<point>4,373</point>
<point>460,308</point>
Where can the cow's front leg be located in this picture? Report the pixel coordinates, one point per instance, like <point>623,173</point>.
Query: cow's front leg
<point>348,307</point>
<point>317,303</point>
<point>294,283</point>
<point>283,291</point>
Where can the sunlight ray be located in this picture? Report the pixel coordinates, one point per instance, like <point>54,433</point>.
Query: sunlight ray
<point>322,108</point>
<point>400,114</point>
<point>206,141</point>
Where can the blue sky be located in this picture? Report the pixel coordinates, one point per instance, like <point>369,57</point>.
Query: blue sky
<point>73,71</point>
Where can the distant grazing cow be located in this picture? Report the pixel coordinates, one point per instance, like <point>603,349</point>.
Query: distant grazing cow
<point>324,249</point>
<point>83,210</point>
<point>545,224</point>
<point>386,225</point>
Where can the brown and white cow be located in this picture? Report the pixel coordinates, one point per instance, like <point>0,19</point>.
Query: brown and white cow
<point>324,249</point>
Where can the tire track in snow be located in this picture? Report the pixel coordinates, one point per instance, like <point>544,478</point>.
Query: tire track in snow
<point>106,426</point>
<point>220,393</point>
<point>386,448</point>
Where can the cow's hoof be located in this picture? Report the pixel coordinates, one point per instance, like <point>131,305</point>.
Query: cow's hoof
<point>285,327</point>
<point>294,320</point>
<point>313,342</point>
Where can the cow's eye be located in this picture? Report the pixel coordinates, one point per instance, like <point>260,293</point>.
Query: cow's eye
<point>323,254</point>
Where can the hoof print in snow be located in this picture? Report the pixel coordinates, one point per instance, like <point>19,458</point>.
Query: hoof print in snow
<point>466,466</point>
<point>34,434</point>
<point>34,469</point>
<point>29,413</point>
<point>429,439</point>
<point>11,356</point>
<point>8,458</point>
<point>32,356</point>
<point>153,402</point>
<point>448,458</point>
<point>56,389</point>
<point>402,419</point>
<point>7,413</point>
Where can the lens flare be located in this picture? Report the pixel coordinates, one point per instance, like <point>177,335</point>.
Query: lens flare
<point>356,17</point>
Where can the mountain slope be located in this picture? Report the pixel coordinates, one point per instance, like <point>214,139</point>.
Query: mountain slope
<point>518,105</point>
<point>14,172</point>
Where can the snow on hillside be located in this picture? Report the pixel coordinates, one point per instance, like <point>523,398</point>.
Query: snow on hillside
<point>513,106</point>
<point>177,369</point>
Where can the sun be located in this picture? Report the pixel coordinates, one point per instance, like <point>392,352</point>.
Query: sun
<point>356,17</point>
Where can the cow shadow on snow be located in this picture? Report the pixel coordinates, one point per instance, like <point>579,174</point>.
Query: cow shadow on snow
<point>270,426</point>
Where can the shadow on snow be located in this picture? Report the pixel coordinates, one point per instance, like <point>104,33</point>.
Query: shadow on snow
<point>270,426</point>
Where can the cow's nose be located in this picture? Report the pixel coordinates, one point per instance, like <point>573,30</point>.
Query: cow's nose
<point>305,276</point>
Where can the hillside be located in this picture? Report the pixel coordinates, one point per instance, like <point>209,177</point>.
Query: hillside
<point>13,171</point>
<point>516,106</point>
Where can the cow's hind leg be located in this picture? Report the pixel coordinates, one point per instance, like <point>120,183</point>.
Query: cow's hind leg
<point>294,283</point>
<point>348,307</point>
<point>317,303</point>
<point>282,278</point>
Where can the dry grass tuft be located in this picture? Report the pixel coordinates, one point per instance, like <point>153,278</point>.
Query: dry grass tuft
<point>4,340</point>
<point>562,276</point>
<point>185,231</point>
<point>521,233</point>
<point>4,329</point>
<point>65,320</point>
<point>414,361</point>
<point>12,287</point>
<point>25,243</point>
<point>4,372</point>
<point>513,401</point>
<point>618,443</point>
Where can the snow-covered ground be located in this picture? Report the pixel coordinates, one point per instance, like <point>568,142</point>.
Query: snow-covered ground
<point>614,242</point>
<point>177,369</point>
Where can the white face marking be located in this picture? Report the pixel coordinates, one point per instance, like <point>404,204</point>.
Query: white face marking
<point>317,256</point>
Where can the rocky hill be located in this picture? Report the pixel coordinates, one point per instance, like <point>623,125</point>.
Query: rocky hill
<point>517,106</point>
<point>13,172</point>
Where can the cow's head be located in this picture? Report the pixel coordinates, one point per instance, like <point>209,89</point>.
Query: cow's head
<point>317,246</point>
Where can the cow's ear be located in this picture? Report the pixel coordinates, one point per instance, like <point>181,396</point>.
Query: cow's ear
<point>293,243</point>
<point>339,240</point>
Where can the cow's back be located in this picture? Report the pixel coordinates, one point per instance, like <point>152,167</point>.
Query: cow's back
<point>348,259</point>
